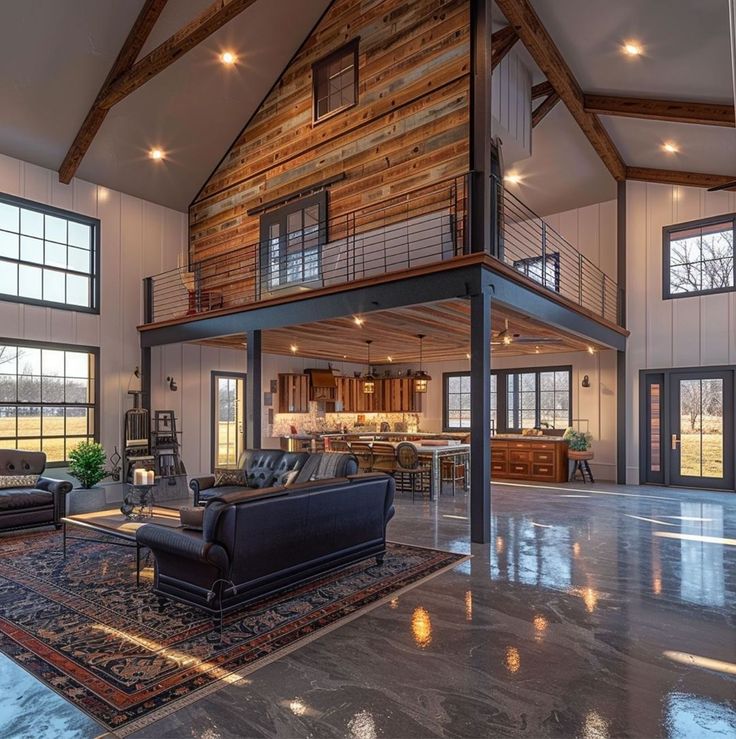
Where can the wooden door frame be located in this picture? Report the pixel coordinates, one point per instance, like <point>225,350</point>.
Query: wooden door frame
<point>213,400</point>
<point>666,374</point>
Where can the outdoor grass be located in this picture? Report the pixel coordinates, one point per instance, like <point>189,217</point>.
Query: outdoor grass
<point>712,455</point>
<point>30,426</point>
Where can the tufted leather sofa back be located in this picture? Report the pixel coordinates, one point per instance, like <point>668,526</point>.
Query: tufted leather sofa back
<point>19,462</point>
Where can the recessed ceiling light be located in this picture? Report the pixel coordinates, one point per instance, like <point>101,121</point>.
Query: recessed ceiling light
<point>228,58</point>
<point>156,154</point>
<point>390,359</point>
<point>513,178</point>
<point>358,320</point>
<point>670,147</point>
<point>632,48</point>
<point>591,350</point>
<point>293,348</point>
<point>467,356</point>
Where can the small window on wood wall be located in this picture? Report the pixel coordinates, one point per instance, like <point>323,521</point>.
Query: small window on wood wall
<point>335,81</point>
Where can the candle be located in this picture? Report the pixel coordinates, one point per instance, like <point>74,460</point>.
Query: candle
<point>137,476</point>
<point>150,477</point>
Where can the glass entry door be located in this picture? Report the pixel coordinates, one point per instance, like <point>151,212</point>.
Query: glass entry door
<point>228,418</point>
<point>700,442</point>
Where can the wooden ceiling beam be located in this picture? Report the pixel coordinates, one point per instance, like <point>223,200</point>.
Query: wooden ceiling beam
<point>677,111</point>
<point>185,39</point>
<point>539,43</point>
<point>140,31</point>
<point>501,44</point>
<point>673,177</point>
<point>542,90</point>
<point>543,108</point>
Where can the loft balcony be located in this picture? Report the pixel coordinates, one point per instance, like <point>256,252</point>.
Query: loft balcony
<point>427,227</point>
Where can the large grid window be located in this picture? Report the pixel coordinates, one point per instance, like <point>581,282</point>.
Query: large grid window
<point>47,398</point>
<point>520,399</point>
<point>335,81</point>
<point>699,257</point>
<point>292,238</point>
<point>47,255</point>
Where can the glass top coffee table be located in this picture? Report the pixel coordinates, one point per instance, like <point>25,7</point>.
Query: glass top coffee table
<point>118,527</point>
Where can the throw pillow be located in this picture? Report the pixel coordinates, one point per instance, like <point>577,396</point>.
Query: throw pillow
<point>18,481</point>
<point>225,477</point>
<point>286,479</point>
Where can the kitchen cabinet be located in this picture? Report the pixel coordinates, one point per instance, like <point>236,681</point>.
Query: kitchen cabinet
<point>529,458</point>
<point>293,393</point>
<point>392,395</point>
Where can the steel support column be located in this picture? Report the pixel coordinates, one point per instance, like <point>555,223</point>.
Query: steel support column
<point>621,390</point>
<point>480,416</point>
<point>145,378</point>
<point>253,425</point>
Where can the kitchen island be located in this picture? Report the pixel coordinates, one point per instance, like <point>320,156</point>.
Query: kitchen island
<point>533,458</point>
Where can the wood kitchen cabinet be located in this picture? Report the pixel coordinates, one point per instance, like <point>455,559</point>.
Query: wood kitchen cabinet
<point>392,395</point>
<point>529,458</point>
<point>293,393</point>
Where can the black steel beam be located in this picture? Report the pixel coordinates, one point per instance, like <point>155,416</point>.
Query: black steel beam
<point>253,420</point>
<point>480,119</point>
<point>480,416</point>
<point>444,285</point>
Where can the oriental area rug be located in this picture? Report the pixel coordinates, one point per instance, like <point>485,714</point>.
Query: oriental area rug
<point>83,628</point>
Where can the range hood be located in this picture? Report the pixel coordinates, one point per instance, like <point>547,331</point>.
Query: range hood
<point>321,378</point>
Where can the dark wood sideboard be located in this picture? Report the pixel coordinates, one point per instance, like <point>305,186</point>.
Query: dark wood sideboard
<point>529,458</point>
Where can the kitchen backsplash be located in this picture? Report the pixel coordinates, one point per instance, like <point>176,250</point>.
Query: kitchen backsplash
<point>320,422</point>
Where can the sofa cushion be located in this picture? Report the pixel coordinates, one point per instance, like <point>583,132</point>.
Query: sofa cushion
<point>260,477</point>
<point>326,466</point>
<point>13,498</point>
<point>18,481</point>
<point>225,477</point>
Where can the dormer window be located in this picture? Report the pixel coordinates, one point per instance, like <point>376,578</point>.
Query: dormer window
<point>335,81</point>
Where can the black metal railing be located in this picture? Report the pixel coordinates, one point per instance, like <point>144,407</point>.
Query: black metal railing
<point>402,232</point>
<point>531,246</point>
<point>420,227</point>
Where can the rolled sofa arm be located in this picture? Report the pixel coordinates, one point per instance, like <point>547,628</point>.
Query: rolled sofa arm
<point>57,487</point>
<point>197,484</point>
<point>172,541</point>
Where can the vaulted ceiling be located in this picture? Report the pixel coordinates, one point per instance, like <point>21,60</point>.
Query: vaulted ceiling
<point>56,54</point>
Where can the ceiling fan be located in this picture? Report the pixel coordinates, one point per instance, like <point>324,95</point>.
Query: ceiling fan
<point>506,338</point>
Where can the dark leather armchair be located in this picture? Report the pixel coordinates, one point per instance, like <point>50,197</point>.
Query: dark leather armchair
<point>256,542</point>
<point>41,505</point>
<point>265,468</point>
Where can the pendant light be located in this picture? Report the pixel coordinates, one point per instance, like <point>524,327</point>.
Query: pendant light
<point>421,378</point>
<point>369,383</point>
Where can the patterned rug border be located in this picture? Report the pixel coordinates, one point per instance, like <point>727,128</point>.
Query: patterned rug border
<point>207,690</point>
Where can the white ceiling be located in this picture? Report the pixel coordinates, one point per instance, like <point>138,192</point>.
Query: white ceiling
<point>55,55</point>
<point>686,57</point>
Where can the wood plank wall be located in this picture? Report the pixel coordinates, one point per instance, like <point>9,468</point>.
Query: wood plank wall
<point>409,128</point>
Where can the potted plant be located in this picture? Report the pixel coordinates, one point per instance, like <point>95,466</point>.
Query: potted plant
<point>579,444</point>
<point>87,464</point>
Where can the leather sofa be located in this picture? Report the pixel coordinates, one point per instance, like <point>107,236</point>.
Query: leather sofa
<point>256,542</point>
<point>265,468</point>
<point>23,507</point>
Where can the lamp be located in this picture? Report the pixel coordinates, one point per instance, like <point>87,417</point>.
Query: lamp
<point>134,383</point>
<point>172,384</point>
<point>421,378</point>
<point>369,384</point>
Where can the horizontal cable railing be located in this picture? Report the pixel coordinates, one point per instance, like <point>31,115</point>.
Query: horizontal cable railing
<point>531,246</point>
<point>420,227</point>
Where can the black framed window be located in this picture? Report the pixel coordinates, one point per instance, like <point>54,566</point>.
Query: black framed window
<point>335,81</point>
<point>291,242</point>
<point>48,397</point>
<point>698,257</point>
<point>48,256</point>
<point>544,270</point>
<point>520,398</point>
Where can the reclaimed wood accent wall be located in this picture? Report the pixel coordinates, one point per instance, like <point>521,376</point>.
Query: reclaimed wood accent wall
<point>409,128</point>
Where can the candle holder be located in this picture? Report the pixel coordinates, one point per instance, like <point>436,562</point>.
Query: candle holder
<point>138,501</point>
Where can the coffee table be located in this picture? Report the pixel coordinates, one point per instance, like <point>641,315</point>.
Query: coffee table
<point>114,524</point>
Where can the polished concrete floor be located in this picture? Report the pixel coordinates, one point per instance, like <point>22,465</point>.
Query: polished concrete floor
<point>596,611</point>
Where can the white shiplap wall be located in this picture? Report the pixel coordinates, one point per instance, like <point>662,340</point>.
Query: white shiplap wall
<point>685,332</point>
<point>137,238</point>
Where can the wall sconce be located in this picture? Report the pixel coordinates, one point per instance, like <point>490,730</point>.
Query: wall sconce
<point>172,384</point>
<point>586,381</point>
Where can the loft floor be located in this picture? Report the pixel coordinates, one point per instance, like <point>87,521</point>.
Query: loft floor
<point>575,621</point>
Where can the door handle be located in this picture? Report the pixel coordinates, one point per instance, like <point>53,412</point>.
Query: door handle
<point>675,442</point>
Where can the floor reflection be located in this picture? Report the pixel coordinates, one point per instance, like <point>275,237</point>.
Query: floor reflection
<point>687,716</point>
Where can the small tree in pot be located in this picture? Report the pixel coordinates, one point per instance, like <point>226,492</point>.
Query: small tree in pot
<point>87,463</point>
<point>579,443</point>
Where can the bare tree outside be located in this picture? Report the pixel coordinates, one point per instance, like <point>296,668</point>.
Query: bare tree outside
<point>703,261</point>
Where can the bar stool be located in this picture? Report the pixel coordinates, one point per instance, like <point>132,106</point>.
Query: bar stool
<point>453,471</point>
<point>339,445</point>
<point>384,457</point>
<point>364,453</point>
<point>407,463</point>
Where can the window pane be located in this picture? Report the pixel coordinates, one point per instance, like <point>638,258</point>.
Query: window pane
<point>76,421</point>
<point>80,235</point>
<point>29,421</point>
<point>8,360</point>
<point>31,250</point>
<point>77,290</point>
<point>29,360</point>
<point>56,254</point>
<point>29,389</point>
<point>79,259</point>
<point>8,245</point>
<point>7,422</point>
<point>53,286</point>
<point>53,421</point>
<point>76,391</point>
<point>8,388</point>
<point>9,217</point>
<point>55,229</point>
<point>29,282</point>
<point>77,364</point>
<point>31,223</point>
<point>8,278</point>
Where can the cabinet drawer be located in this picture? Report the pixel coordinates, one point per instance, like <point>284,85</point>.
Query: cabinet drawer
<point>543,470</point>
<point>518,455</point>
<point>543,445</point>
<point>545,457</point>
<point>499,454</point>
<point>519,468</point>
<point>499,467</point>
